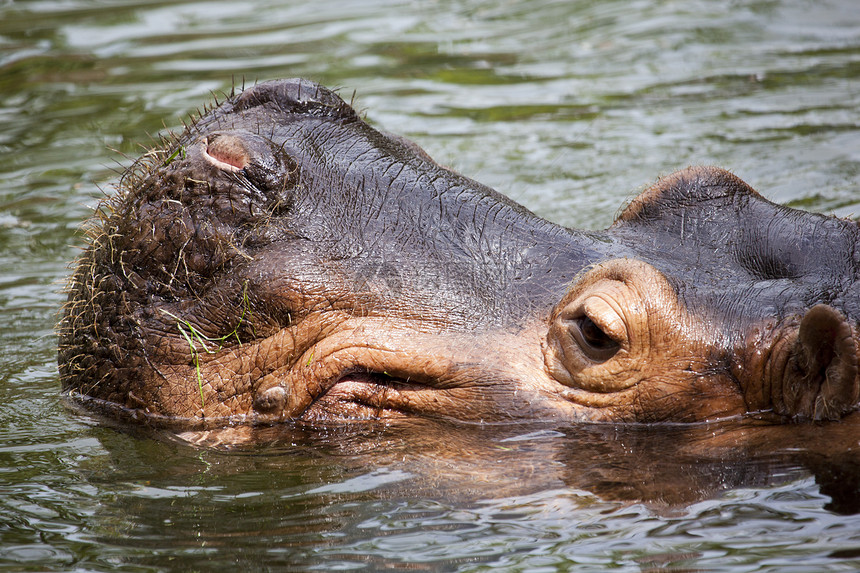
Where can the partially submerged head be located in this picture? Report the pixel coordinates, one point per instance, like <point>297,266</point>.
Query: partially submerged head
<point>283,260</point>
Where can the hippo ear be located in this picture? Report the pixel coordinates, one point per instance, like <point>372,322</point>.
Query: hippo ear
<point>691,188</point>
<point>709,215</point>
<point>821,380</point>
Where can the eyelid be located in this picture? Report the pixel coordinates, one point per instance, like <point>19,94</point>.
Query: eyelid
<point>606,317</point>
<point>596,353</point>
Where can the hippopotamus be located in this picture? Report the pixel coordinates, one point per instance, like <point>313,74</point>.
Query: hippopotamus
<point>283,261</point>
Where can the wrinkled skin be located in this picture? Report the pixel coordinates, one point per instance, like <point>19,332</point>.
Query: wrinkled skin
<point>282,260</point>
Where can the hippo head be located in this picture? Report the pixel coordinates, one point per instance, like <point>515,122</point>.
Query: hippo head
<point>282,260</point>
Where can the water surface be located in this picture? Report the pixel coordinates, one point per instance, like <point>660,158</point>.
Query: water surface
<point>568,107</point>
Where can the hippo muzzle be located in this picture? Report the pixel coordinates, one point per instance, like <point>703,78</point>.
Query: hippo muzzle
<point>282,260</point>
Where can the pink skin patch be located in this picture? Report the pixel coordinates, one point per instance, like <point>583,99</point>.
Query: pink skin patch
<point>227,153</point>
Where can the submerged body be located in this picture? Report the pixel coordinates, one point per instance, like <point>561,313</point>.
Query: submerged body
<point>282,260</point>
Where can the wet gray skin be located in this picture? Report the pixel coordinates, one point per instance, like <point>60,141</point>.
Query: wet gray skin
<point>282,260</point>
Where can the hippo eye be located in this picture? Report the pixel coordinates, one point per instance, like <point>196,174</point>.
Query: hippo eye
<point>595,344</point>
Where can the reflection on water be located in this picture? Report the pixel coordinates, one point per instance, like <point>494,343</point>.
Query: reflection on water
<point>568,107</point>
<point>470,495</point>
<point>665,467</point>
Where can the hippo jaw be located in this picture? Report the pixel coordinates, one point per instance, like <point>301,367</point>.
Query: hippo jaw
<point>284,261</point>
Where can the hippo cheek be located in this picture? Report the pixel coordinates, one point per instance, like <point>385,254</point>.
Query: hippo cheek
<point>624,346</point>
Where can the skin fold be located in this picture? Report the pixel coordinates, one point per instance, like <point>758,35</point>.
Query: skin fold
<point>283,261</point>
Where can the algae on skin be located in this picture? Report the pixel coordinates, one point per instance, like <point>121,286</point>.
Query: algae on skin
<point>191,334</point>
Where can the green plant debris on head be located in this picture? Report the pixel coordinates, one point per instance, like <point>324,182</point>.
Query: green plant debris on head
<point>180,152</point>
<point>194,336</point>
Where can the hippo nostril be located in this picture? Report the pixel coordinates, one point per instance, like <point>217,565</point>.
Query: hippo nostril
<point>227,152</point>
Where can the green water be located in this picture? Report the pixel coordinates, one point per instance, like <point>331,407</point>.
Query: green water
<point>568,107</point>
